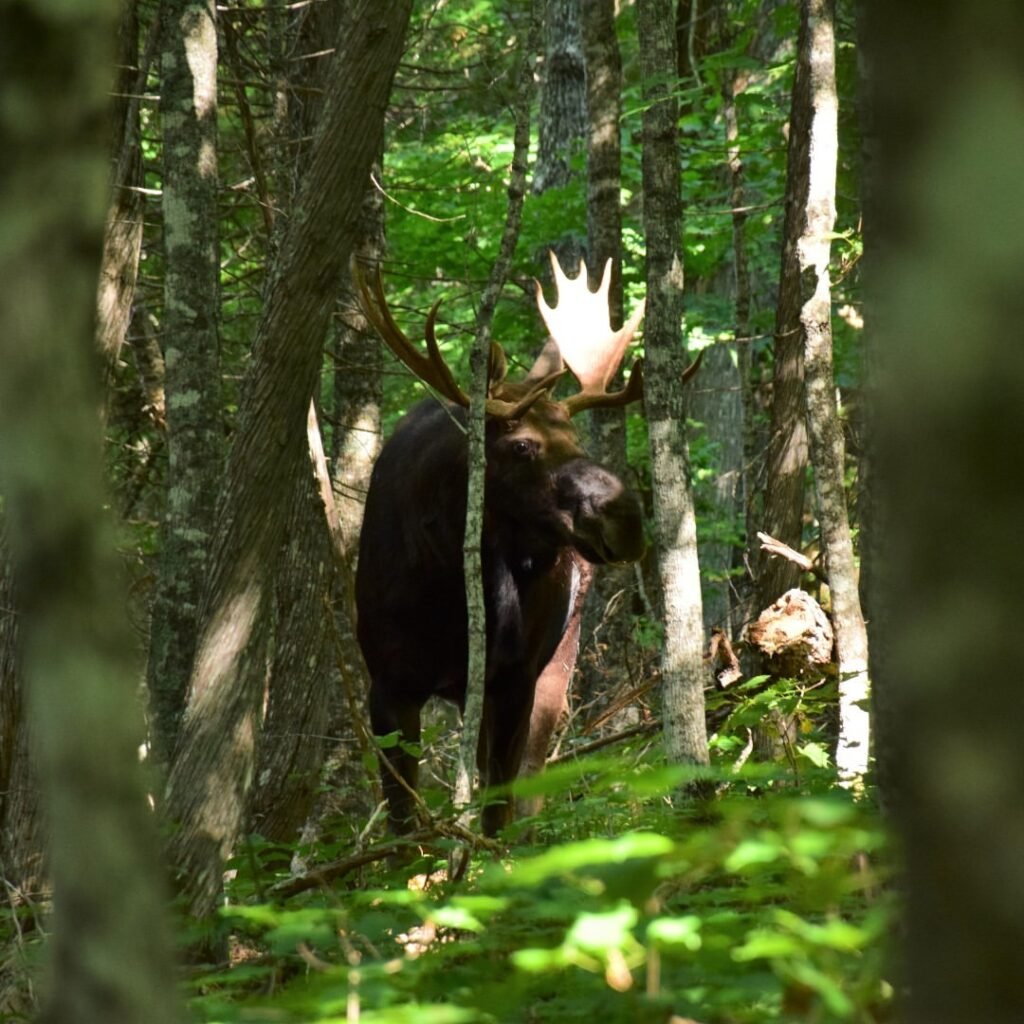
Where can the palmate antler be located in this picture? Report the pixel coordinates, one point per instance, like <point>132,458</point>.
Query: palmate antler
<point>592,350</point>
<point>431,368</point>
<point>580,329</point>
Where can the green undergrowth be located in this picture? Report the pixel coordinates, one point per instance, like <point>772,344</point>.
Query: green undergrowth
<point>623,900</point>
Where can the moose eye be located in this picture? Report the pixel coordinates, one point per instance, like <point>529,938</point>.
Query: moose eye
<point>522,448</point>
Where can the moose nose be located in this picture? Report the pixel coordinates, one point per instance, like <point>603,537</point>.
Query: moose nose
<point>606,515</point>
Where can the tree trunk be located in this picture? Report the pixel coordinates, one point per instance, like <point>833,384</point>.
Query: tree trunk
<point>122,239</point>
<point>476,441</point>
<point>607,613</point>
<point>295,728</point>
<point>221,723</point>
<point>782,516</point>
<point>563,98</point>
<point>945,304</point>
<point>683,670</point>
<point>109,952</point>
<point>191,356</point>
<point>22,841</point>
<point>826,436</point>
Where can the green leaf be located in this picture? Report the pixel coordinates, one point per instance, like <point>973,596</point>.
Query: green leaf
<point>669,932</point>
<point>600,933</point>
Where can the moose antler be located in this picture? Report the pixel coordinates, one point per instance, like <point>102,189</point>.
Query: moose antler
<point>431,368</point>
<point>591,348</point>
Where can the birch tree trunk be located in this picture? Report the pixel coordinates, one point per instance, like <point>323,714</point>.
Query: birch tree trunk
<point>210,781</point>
<point>683,671</point>
<point>824,428</point>
<point>109,950</point>
<point>195,436</point>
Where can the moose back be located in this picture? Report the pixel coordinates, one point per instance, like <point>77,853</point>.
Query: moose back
<point>546,507</point>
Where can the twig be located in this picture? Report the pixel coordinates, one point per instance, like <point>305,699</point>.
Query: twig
<point>776,547</point>
<point>606,741</point>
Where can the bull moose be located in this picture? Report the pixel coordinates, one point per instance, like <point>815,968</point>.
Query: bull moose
<point>546,507</point>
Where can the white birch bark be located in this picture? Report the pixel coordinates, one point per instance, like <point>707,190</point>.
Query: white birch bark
<point>824,429</point>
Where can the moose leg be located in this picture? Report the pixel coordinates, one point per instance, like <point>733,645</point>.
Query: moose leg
<point>503,732</point>
<point>549,703</point>
<point>388,715</point>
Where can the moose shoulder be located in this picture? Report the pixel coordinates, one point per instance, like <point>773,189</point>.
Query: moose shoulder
<point>546,506</point>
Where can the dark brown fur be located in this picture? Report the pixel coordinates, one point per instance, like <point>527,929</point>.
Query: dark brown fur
<point>546,504</point>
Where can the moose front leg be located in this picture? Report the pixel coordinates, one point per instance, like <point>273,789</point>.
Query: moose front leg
<point>400,775</point>
<point>503,730</point>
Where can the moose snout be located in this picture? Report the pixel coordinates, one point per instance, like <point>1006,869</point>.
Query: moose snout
<point>607,517</point>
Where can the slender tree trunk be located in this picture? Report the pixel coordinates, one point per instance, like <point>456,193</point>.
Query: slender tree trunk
<point>191,355</point>
<point>782,515</point>
<point>683,670</point>
<point>825,430</point>
<point>122,241</point>
<point>476,437</point>
<point>22,840</point>
<point>607,612</point>
<point>221,724</point>
<point>109,951</point>
<point>945,305</point>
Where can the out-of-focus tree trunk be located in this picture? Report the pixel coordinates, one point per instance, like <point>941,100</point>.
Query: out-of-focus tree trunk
<point>195,437</point>
<point>222,720</point>
<point>683,671</point>
<point>946,227</point>
<point>109,951</point>
<point>22,842</point>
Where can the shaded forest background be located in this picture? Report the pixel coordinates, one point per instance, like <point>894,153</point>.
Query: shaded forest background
<point>207,548</point>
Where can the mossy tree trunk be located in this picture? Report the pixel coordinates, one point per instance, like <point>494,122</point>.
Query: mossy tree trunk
<point>221,726</point>
<point>195,434</point>
<point>109,950</point>
<point>946,228</point>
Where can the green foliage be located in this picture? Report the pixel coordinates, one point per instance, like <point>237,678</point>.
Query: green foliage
<point>622,901</point>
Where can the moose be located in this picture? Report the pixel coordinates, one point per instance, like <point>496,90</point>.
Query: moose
<point>549,510</point>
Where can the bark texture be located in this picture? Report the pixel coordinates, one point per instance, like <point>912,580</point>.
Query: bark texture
<point>683,671</point>
<point>191,355</point>
<point>109,952</point>
<point>824,428</point>
<point>210,781</point>
<point>294,732</point>
<point>607,613</point>
<point>718,399</point>
<point>563,103</point>
<point>122,237</point>
<point>782,515</point>
<point>947,227</point>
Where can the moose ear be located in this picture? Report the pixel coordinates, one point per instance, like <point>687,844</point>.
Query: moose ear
<point>497,367</point>
<point>548,362</point>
